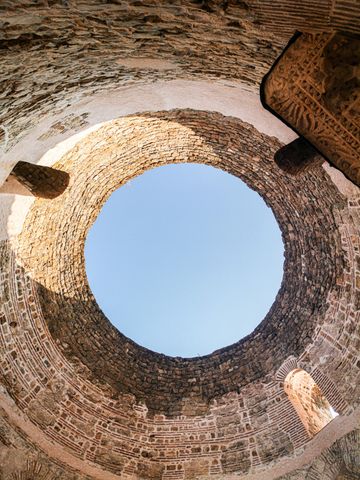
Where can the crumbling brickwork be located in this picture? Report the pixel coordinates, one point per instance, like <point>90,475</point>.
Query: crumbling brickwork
<point>132,147</point>
<point>339,462</point>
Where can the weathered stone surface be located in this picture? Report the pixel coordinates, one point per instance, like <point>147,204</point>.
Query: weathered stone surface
<point>315,87</point>
<point>121,409</point>
<point>333,463</point>
<point>298,156</point>
<point>54,51</point>
<point>308,400</point>
<point>69,307</point>
<point>44,182</point>
<point>79,400</point>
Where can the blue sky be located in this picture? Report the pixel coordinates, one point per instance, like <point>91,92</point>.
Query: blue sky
<point>185,259</point>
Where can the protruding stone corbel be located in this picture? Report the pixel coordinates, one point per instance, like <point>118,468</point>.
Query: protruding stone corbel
<point>40,181</point>
<point>297,157</point>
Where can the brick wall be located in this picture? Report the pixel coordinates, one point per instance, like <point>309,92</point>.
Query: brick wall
<point>118,409</point>
<point>78,399</point>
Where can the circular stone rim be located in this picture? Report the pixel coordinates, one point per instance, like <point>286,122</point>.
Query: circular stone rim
<point>223,361</point>
<point>94,249</point>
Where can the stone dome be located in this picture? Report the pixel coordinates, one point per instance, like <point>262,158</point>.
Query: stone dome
<point>101,92</point>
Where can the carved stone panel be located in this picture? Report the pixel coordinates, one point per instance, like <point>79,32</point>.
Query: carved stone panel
<point>315,88</point>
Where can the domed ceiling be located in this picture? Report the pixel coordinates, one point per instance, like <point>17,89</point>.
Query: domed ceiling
<point>100,92</point>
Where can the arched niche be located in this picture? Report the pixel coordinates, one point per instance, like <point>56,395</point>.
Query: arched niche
<point>311,405</point>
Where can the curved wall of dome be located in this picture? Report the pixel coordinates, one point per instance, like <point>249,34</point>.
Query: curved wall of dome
<point>103,92</point>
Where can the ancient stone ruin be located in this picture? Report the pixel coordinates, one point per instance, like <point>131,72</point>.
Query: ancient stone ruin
<point>94,93</point>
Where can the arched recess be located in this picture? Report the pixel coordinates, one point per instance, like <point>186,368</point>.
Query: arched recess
<point>311,405</point>
<point>330,391</point>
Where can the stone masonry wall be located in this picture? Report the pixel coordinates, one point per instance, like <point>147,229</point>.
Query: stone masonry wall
<point>131,146</point>
<point>106,424</point>
<point>44,182</point>
<point>55,51</point>
<point>78,400</point>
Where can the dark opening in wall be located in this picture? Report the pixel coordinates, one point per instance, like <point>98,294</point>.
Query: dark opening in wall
<point>313,408</point>
<point>40,181</point>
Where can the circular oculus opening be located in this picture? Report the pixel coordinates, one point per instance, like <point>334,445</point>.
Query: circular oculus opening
<point>185,259</point>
